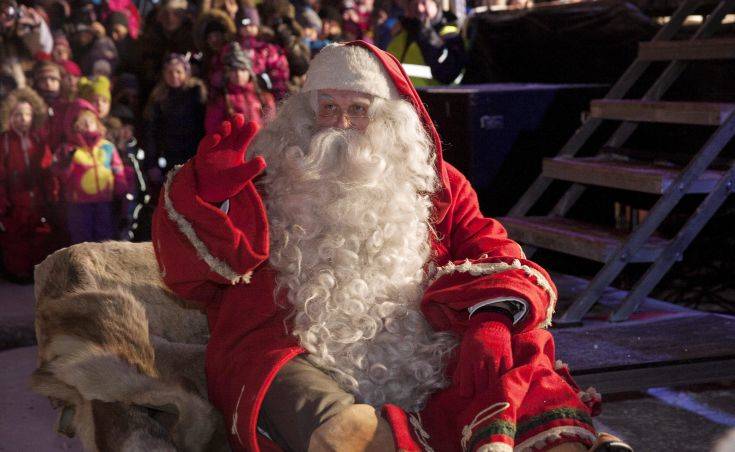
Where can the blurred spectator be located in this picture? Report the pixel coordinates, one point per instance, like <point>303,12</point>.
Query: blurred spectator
<point>355,22</point>
<point>69,78</point>
<point>27,188</point>
<point>62,50</point>
<point>174,119</point>
<point>89,46</point>
<point>121,8</point>
<point>96,91</point>
<point>118,29</point>
<point>58,12</point>
<point>331,25</point>
<point>429,44</point>
<point>91,173</point>
<point>385,19</point>
<point>269,60</point>
<point>241,95</point>
<point>7,84</point>
<point>280,28</point>
<point>306,14</point>
<point>212,30</point>
<point>136,207</point>
<point>23,35</point>
<point>127,92</point>
<point>169,31</point>
<point>47,82</point>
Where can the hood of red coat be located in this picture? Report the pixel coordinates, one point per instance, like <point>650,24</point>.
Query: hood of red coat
<point>71,112</point>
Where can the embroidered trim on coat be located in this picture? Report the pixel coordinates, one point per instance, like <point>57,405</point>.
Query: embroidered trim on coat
<point>487,414</point>
<point>553,434</point>
<point>489,268</point>
<point>218,266</point>
<point>550,416</point>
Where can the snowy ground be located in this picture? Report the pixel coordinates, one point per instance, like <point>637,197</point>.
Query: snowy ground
<point>660,420</point>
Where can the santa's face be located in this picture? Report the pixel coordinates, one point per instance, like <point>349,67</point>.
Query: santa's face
<point>343,109</point>
<point>21,118</point>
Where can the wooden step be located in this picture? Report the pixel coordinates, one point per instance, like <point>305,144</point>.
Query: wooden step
<point>697,113</point>
<point>576,238</point>
<point>624,175</point>
<point>700,49</point>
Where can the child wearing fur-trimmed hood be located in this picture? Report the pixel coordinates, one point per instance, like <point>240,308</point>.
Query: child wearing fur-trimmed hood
<point>27,188</point>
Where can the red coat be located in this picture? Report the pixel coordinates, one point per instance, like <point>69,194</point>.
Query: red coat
<point>220,260</point>
<point>27,188</point>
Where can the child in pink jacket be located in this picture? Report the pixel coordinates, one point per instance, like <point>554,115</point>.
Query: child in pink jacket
<point>91,173</point>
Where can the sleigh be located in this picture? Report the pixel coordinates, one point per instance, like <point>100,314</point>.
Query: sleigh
<point>120,356</point>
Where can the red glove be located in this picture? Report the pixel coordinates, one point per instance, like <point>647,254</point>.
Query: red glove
<point>485,352</point>
<point>220,166</point>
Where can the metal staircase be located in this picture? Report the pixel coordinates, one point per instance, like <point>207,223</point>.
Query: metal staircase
<point>612,248</point>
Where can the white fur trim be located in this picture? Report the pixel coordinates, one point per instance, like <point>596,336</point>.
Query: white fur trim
<point>490,268</point>
<point>495,447</point>
<point>218,266</point>
<point>419,431</point>
<point>352,68</point>
<point>552,434</point>
<point>516,317</point>
<point>233,430</point>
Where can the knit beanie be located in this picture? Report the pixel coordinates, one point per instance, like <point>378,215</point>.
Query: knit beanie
<point>235,58</point>
<point>61,41</point>
<point>71,68</point>
<point>351,68</point>
<point>118,18</point>
<point>95,86</point>
<point>247,16</point>
<point>178,58</point>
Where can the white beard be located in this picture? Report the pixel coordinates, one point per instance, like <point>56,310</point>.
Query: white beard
<point>350,238</point>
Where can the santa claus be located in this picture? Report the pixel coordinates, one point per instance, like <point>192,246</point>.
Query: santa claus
<point>356,296</point>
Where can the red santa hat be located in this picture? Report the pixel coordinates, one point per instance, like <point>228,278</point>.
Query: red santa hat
<point>360,66</point>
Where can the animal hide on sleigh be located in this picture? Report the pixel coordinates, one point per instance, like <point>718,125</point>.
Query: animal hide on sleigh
<point>119,354</point>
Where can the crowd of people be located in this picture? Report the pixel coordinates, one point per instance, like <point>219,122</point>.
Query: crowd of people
<point>100,100</point>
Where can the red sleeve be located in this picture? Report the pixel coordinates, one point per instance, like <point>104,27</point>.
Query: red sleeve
<point>199,248</point>
<point>483,264</point>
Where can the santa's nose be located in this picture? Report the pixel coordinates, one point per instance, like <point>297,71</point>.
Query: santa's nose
<point>343,121</point>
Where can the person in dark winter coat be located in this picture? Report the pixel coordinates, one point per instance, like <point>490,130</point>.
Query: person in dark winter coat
<point>174,119</point>
<point>168,32</point>
<point>212,30</point>
<point>429,45</point>
<point>27,188</point>
<point>118,28</point>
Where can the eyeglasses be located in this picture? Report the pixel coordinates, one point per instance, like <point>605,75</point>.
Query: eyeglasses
<point>354,111</point>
